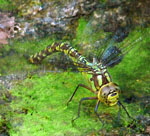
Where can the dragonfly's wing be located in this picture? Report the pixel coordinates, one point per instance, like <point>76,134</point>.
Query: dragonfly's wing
<point>111,56</point>
<point>116,51</point>
<point>83,67</point>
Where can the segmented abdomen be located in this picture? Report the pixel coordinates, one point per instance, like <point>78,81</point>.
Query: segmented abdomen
<point>59,47</point>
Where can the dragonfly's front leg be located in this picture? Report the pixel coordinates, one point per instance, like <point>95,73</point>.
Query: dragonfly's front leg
<point>96,108</point>
<point>120,104</point>
<point>79,107</point>
<point>82,85</point>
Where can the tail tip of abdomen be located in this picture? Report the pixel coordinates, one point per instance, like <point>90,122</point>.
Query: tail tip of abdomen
<point>31,60</point>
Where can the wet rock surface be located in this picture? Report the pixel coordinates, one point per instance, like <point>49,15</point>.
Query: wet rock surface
<point>6,84</point>
<point>121,16</point>
<point>48,17</point>
<point>60,18</point>
<point>6,81</point>
<point>7,27</point>
<point>45,18</point>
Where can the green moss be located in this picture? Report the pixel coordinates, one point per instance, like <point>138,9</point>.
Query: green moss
<point>17,52</point>
<point>4,2</point>
<point>103,1</point>
<point>81,27</point>
<point>6,5</point>
<point>86,33</point>
<point>44,99</point>
<point>40,108</point>
<point>92,39</point>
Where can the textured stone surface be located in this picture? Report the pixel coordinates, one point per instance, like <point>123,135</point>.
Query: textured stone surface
<point>45,18</point>
<point>7,25</point>
<point>48,17</point>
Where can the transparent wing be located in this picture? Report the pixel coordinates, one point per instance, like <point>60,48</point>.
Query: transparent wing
<point>84,67</point>
<point>116,51</point>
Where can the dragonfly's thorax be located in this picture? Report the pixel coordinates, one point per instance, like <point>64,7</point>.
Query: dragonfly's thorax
<point>107,91</point>
<point>100,78</point>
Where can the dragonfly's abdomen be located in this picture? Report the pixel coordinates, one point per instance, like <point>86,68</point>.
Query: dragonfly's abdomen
<point>59,47</point>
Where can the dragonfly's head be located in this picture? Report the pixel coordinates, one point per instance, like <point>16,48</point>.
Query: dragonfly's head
<point>109,94</point>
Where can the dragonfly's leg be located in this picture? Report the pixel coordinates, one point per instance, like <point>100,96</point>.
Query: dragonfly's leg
<point>119,112</point>
<point>120,104</point>
<point>82,85</point>
<point>79,107</point>
<point>96,108</point>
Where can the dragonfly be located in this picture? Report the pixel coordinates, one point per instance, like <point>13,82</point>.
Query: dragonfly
<point>101,84</point>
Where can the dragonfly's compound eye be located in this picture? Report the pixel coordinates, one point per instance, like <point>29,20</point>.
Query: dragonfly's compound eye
<point>105,91</point>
